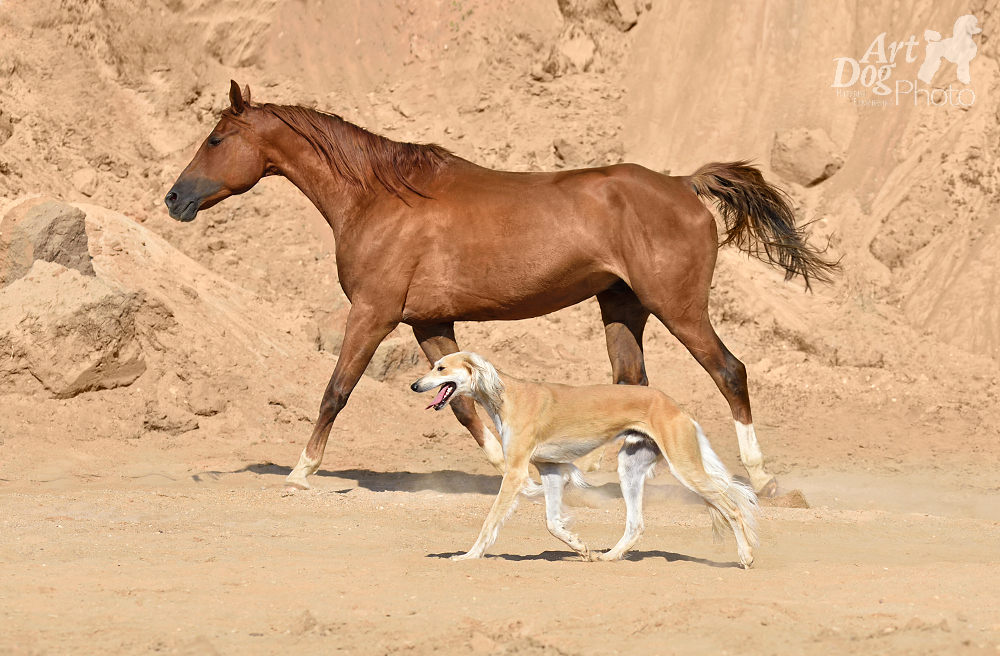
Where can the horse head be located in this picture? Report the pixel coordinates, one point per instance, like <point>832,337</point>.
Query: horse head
<point>230,161</point>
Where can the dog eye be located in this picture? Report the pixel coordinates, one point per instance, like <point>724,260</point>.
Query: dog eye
<point>214,140</point>
<point>440,368</point>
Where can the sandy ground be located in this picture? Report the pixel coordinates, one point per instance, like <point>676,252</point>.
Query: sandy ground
<point>149,518</point>
<point>218,562</point>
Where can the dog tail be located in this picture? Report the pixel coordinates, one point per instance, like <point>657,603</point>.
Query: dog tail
<point>532,489</point>
<point>741,495</point>
<point>759,219</point>
<point>575,476</point>
<point>571,474</point>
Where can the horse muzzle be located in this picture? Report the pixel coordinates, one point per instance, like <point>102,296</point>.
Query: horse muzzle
<point>187,197</point>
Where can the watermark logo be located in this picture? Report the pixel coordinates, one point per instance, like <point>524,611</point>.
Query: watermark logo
<point>874,70</point>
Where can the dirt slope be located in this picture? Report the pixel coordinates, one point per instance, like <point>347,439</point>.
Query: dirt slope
<point>134,518</point>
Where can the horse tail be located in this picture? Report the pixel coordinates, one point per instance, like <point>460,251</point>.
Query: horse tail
<point>759,219</point>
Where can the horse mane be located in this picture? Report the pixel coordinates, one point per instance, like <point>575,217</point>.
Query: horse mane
<point>366,160</point>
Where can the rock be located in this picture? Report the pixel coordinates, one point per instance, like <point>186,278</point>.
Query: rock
<point>205,399</point>
<point>330,330</point>
<point>792,499</point>
<point>70,332</point>
<point>392,355</point>
<point>805,157</point>
<point>397,352</point>
<point>6,127</point>
<point>168,419</point>
<point>567,153</point>
<point>420,48</point>
<point>48,230</point>
<point>627,12</point>
<point>610,151</point>
<point>85,181</point>
<point>574,53</point>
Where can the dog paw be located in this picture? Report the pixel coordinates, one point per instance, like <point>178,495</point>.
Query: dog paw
<point>465,556</point>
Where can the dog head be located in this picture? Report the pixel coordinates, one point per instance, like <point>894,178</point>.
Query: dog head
<point>461,373</point>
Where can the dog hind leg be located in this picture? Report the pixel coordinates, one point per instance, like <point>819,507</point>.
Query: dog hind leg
<point>636,460</point>
<point>554,479</point>
<point>699,469</point>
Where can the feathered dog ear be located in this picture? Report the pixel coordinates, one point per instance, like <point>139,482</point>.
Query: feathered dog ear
<point>485,379</point>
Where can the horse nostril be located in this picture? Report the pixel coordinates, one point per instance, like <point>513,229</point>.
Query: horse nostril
<point>171,198</point>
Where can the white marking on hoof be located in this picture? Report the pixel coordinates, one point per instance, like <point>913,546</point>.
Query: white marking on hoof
<point>306,467</point>
<point>752,458</point>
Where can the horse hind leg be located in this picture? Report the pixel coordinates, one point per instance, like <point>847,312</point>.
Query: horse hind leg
<point>624,320</point>
<point>730,375</point>
<point>437,342</point>
<point>636,460</point>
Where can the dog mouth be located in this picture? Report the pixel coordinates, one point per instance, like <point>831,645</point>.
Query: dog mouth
<point>443,396</point>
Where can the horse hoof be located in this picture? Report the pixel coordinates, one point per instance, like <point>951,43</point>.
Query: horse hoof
<point>769,490</point>
<point>291,487</point>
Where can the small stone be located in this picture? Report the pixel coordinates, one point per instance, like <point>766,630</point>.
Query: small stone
<point>628,14</point>
<point>85,181</point>
<point>482,644</point>
<point>215,245</point>
<point>569,154</point>
<point>307,622</point>
<point>764,365</point>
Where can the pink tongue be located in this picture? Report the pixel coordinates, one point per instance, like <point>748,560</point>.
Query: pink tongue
<point>439,397</point>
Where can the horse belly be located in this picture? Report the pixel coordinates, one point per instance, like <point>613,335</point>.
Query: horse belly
<point>500,298</point>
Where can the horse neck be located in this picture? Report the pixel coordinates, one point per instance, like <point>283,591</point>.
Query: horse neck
<point>295,159</point>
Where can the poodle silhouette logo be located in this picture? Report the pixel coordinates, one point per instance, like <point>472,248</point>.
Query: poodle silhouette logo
<point>874,70</point>
<point>960,49</point>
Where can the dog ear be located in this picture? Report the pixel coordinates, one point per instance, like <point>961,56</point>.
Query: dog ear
<point>485,379</point>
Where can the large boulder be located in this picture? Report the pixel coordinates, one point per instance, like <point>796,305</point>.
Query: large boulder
<point>71,333</point>
<point>43,229</point>
<point>805,157</point>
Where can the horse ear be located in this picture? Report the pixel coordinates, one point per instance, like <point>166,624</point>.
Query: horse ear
<point>246,94</point>
<point>235,98</point>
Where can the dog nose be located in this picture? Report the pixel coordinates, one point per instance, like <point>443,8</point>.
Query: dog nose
<point>170,199</point>
<point>414,386</point>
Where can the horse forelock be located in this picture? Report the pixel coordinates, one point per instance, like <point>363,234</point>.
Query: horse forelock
<point>365,160</point>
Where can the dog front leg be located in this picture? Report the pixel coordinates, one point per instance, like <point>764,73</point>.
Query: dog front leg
<point>504,505</point>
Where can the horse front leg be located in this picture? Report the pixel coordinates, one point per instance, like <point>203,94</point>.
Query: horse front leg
<point>436,342</point>
<point>367,326</point>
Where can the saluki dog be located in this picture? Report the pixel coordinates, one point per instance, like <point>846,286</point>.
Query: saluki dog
<point>552,425</point>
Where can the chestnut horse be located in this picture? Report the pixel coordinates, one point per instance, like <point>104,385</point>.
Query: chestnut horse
<point>427,238</point>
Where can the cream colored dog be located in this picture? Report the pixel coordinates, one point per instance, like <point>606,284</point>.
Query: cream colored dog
<point>553,425</point>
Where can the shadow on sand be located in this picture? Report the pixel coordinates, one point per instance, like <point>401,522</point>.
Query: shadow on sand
<point>554,556</point>
<point>446,481</point>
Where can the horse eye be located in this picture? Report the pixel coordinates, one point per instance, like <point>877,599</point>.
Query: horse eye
<point>214,141</point>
